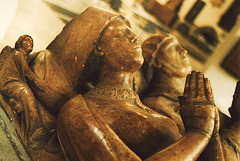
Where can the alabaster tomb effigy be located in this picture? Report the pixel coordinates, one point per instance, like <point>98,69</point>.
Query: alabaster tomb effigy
<point>77,99</point>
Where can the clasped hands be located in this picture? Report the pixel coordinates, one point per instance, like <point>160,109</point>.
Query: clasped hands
<point>198,110</point>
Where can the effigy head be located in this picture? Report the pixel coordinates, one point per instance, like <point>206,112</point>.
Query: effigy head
<point>163,51</point>
<point>78,39</point>
<point>24,42</point>
<point>120,48</point>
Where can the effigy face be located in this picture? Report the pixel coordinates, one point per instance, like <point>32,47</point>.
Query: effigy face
<point>163,51</point>
<point>128,55</point>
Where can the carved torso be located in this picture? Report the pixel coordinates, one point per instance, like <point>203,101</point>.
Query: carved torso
<point>141,129</point>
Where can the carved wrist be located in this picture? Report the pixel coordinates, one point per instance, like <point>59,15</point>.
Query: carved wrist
<point>199,118</point>
<point>198,110</point>
<point>200,131</point>
<point>203,125</point>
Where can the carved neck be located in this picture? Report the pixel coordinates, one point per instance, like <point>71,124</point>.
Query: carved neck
<point>112,78</point>
<point>116,84</point>
<point>164,82</point>
<point>117,89</point>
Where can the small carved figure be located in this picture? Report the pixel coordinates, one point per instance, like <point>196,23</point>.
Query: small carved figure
<point>16,91</point>
<point>109,122</point>
<point>166,64</point>
<point>34,124</point>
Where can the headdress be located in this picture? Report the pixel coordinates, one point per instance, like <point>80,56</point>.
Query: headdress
<point>78,38</point>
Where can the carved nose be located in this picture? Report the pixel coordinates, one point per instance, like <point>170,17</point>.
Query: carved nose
<point>183,52</point>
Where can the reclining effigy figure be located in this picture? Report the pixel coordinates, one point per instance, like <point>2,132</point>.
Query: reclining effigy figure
<point>109,122</point>
<point>165,68</point>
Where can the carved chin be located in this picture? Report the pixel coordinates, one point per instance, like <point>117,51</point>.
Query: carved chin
<point>139,62</point>
<point>134,66</point>
<point>186,70</point>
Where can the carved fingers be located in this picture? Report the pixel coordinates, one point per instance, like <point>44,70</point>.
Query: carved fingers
<point>197,106</point>
<point>197,89</point>
<point>217,124</point>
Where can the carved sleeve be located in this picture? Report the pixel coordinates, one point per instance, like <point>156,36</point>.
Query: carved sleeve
<point>27,70</point>
<point>84,135</point>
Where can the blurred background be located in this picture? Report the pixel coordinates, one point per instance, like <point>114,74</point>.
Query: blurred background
<point>208,29</point>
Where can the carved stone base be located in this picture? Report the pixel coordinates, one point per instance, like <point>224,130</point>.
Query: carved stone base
<point>11,147</point>
<point>14,147</point>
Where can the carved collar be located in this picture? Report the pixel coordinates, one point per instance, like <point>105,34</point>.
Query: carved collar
<point>117,94</point>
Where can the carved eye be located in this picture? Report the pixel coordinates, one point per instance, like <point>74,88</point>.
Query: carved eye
<point>134,39</point>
